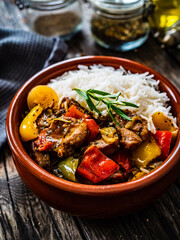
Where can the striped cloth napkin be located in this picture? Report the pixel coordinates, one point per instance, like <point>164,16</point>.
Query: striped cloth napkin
<point>22,54</point>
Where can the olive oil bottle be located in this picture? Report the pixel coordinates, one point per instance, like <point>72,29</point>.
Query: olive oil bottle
<point>164,21</point>
<point>165,15</point>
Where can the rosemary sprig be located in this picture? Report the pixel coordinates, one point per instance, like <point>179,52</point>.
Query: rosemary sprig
<point>110,100</point>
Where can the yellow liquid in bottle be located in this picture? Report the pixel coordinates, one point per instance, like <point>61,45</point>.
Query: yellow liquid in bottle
<point>166,13</point>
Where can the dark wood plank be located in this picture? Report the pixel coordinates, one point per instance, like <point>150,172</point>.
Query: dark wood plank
<point>67,223</point>
<point>174,53</point>
<point>7,217</point>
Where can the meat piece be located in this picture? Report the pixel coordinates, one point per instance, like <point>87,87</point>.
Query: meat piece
<point>122,122</point>
<point>131,133</point>
<point>107,141</point>
<point>65,134</point>
<point>106,147</point>
<point>67,102</point>
<point>129,139</point>
<point>104,121</point>
<point>44,119</point>
<point>42,158</point>
<point>139,126</point>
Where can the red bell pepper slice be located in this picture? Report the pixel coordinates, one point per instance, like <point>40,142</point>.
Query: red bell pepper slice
<point>123,159</point>
<point>75,113</point>
<point>163,139</point>
<point>93,127</point>
<point>96,166</point>
<point>42,142</point>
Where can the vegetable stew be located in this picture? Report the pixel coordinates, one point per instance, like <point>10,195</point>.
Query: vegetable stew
<point>66,140</point>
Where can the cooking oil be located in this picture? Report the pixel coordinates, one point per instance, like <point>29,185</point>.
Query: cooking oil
<point>166,13</point>
<point>165,21</point>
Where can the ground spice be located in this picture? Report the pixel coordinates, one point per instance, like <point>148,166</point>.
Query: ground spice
<point>57,24</point>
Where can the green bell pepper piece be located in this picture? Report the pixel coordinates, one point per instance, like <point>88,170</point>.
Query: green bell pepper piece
<point>68,168</point>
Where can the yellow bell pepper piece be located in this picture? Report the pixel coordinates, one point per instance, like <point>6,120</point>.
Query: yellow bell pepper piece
<point>146,152</point>
<point>28,128</point>
<point>138,175</point>
<point>164,123</point>
<point>43,95</point>
<point>109,134</point>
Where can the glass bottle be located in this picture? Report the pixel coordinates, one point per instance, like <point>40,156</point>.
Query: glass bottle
<point>119,24</point>
<point>165,21</point>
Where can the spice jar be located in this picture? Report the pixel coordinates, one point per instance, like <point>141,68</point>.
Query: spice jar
<point>119,25</point>
<point>57,17</point>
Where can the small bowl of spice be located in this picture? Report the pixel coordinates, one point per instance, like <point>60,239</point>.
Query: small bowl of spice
<point>119,25</point>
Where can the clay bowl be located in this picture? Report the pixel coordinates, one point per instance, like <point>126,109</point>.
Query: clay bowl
<point>89,200</point>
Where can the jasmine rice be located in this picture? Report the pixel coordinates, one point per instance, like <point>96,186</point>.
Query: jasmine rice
<point>140,89</point>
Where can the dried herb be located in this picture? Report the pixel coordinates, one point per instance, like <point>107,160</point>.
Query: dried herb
<point>115,32</point>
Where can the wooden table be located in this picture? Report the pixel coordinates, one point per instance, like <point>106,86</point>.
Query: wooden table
<point>23,216</point>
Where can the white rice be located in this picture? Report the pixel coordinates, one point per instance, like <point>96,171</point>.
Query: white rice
<point>140,89</point>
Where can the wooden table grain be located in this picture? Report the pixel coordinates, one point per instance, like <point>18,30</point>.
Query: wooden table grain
<point>24,217</point>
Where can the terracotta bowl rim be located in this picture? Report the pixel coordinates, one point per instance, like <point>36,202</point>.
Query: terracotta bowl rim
<point>97,190</point>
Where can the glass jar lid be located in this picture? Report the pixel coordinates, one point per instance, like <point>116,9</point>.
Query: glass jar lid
<point>43,4</point>
<point>119,6</point>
